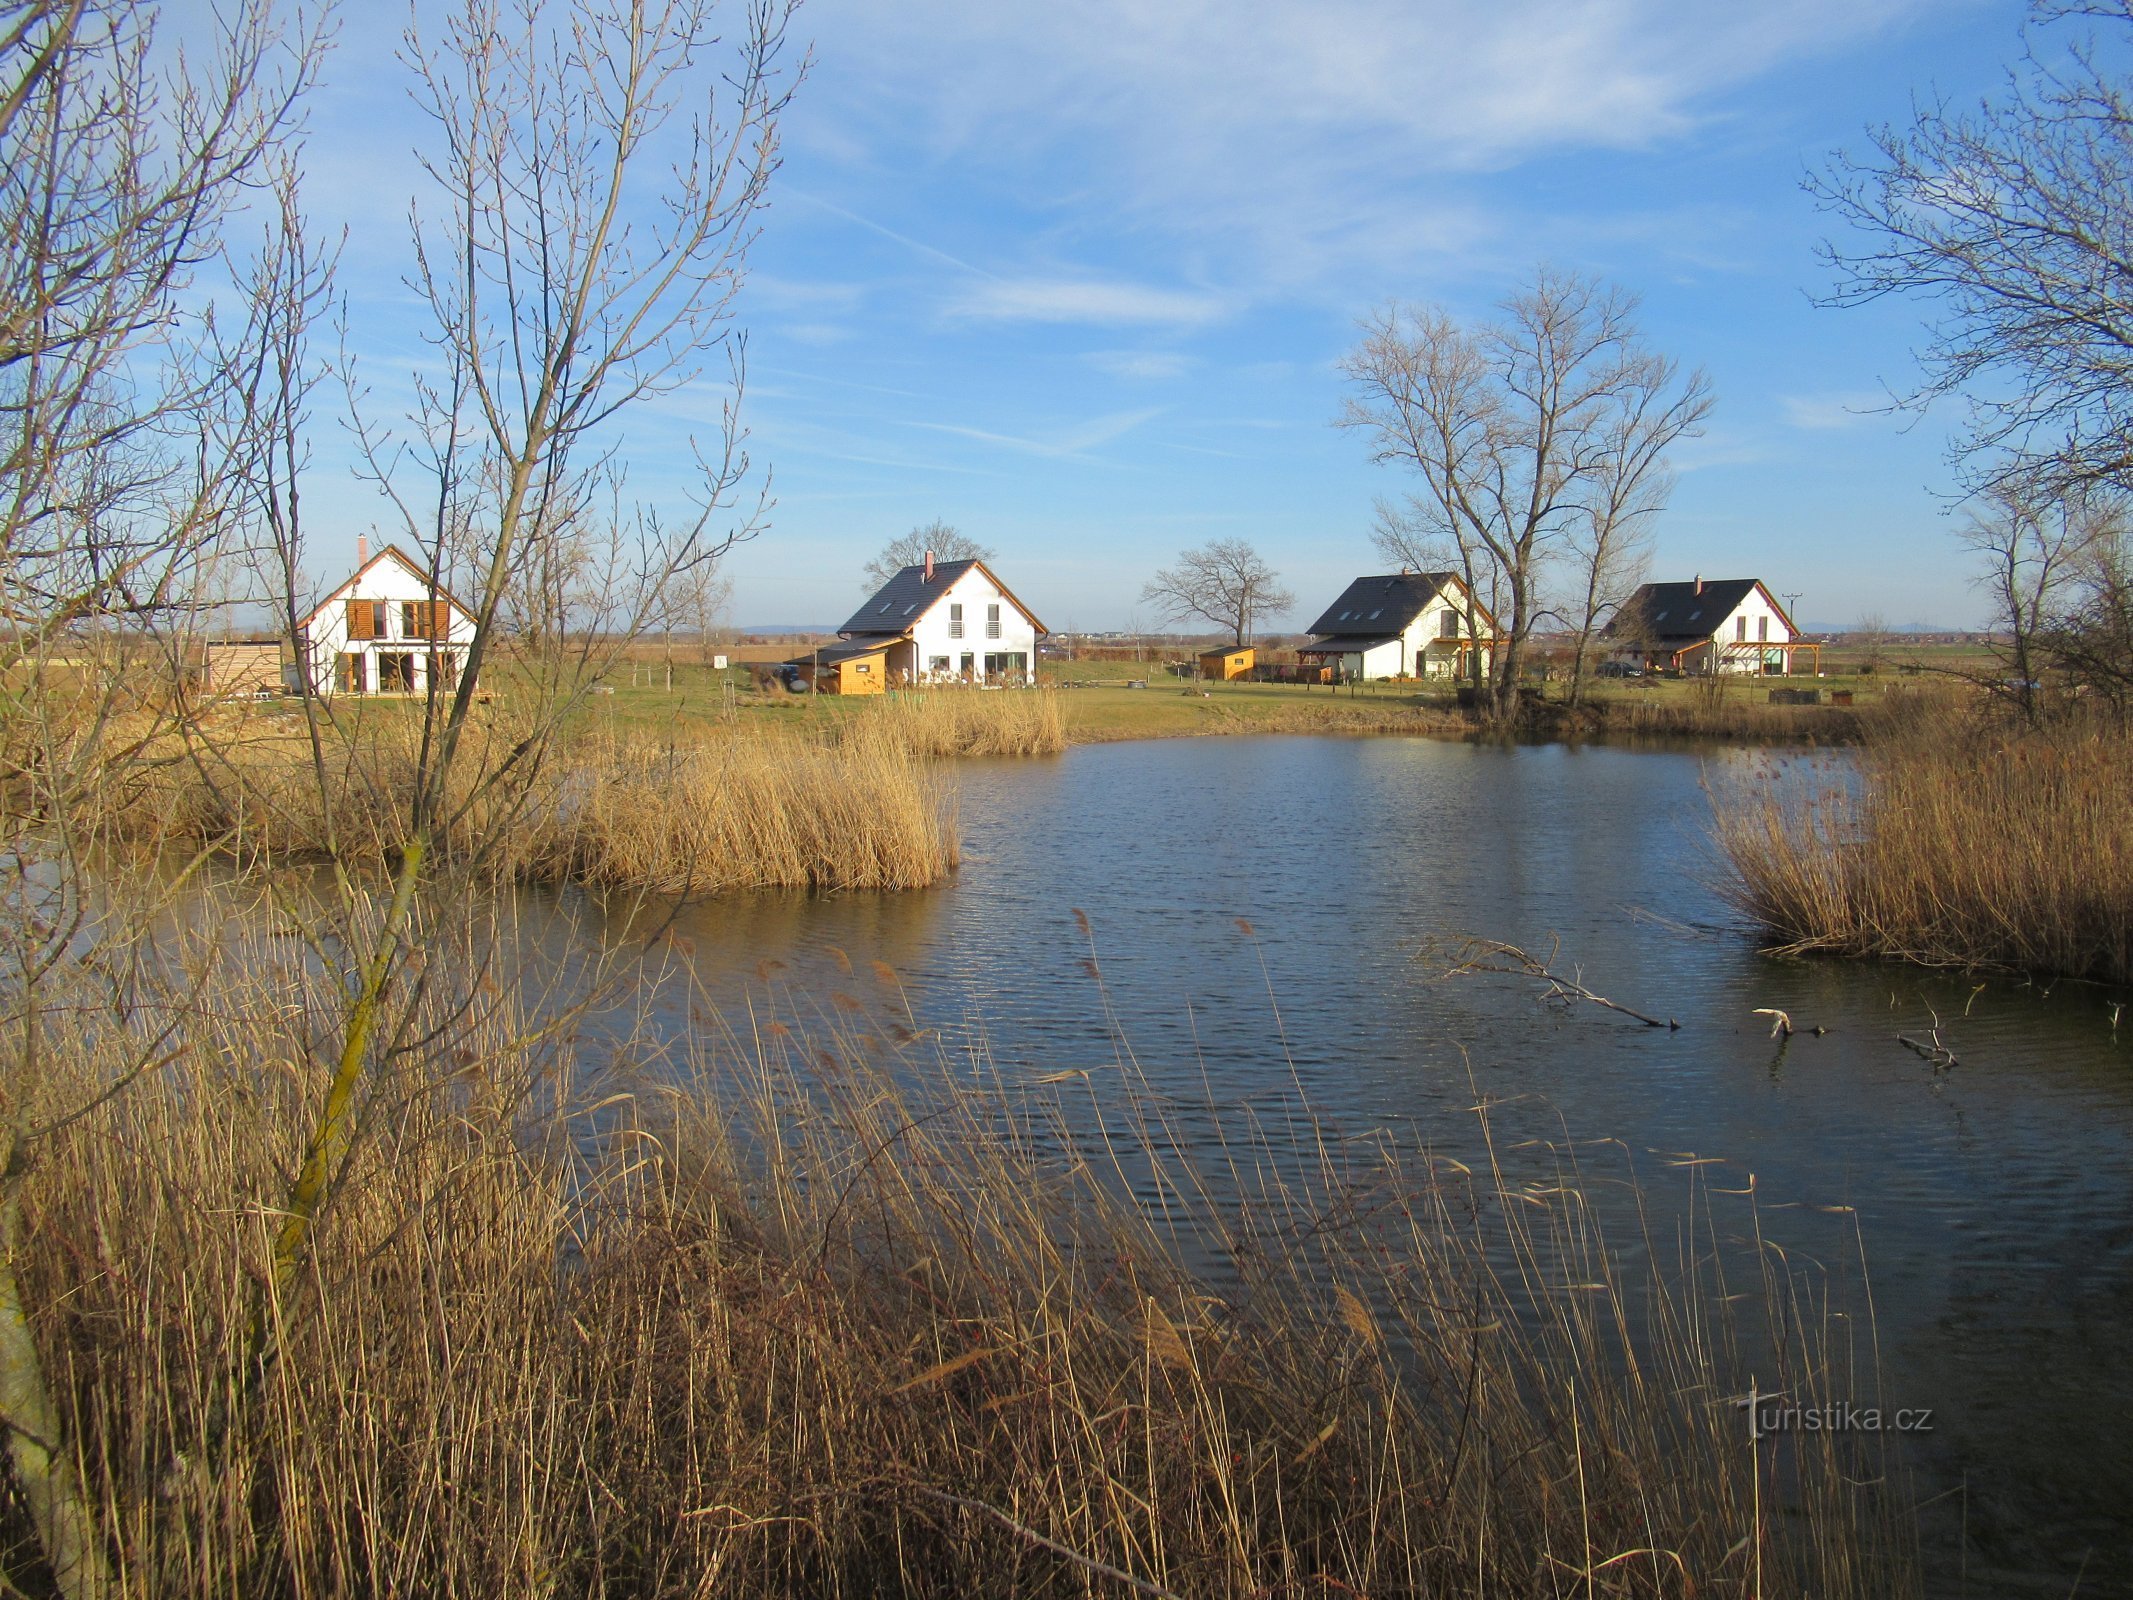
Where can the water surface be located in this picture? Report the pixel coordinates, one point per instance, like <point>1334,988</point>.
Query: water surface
<point>1995,1198</point>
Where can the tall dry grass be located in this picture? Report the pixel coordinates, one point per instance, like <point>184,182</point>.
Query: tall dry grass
<point>862,812</point>
<point>854,802</point>
<point>801,1307</point>
<point>1956,841</point>
<point>968,722</point>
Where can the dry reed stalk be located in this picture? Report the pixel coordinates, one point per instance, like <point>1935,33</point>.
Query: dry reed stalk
<point>969,722</point>
<point>801,1310</point>
<point>1955,843</point>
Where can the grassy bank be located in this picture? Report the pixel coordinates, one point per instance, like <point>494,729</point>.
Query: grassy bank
<point>1959,841</point>
<point>830,1314</point>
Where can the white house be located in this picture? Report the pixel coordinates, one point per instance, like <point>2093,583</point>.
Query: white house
<point>948,621</point>
<point>1402,625</point>
<point>387,630</point>
<point>1706,625</point>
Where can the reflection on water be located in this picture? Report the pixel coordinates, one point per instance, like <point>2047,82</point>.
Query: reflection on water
<point>1258,909</point>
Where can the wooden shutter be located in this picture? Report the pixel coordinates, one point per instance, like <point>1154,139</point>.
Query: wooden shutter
<point>440,619</point>
<point>362,619</point>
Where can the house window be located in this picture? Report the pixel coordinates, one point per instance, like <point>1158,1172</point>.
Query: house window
<point>444,671</point>
<point>1740,630</point>
<point>424,619</point>
<point>1448,624</point>
<point>955,620</point>
<point>938,664</point>
<point>396,672</point>
<point>1762,630</point>
<point>992,622</point>
<point>350,675</point>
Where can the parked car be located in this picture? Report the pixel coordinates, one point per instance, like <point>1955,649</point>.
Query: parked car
<point>1621,669</point>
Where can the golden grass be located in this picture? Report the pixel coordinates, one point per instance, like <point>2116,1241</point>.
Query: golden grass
<point>803,1309</point>
<point>969,722</point>
<point>854,802</point>
<point>861,812</point>
<point>1955,842</point>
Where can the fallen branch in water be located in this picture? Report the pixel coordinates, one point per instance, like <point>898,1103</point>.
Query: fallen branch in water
<point>1489,955</point>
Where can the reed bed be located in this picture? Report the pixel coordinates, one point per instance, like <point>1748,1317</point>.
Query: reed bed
<point>804,1306</point>
<point>852,802</point>
<point>1955,842</point>
<point>968,722</point>
<point>862,812</point>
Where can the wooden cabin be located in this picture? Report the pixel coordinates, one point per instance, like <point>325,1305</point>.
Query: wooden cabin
<point>853,666</point>
<point>1229,662</point>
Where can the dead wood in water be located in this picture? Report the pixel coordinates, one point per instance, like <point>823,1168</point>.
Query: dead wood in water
<point>1475,954</point>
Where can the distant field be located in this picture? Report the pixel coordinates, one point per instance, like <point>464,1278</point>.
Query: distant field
<point>1098,705</point>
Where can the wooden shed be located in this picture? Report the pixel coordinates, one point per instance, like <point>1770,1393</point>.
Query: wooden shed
<point>1230,661</point>
<point>854,667</point>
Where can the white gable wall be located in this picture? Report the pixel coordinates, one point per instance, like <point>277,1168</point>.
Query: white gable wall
<point>387,578</point>
<point>990,624</point>
<point>1756,620</point>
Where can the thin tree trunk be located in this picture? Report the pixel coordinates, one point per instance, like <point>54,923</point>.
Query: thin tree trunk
<point>52,1490</point>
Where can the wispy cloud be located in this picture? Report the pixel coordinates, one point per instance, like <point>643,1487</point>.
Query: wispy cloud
<point>1821,413</point>
<point>1152,366</point>
<point>1089,300</point>
<point>1313,132</point>
<point>1073,443</point>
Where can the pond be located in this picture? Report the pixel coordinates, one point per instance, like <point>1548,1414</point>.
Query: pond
<point>1268,912</point>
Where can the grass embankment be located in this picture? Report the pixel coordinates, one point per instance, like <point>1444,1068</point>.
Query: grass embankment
<point>848,800</point>
<point>1959,841</point>
<point>818,1320</point>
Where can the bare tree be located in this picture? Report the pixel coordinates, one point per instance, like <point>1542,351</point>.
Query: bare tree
<point>601,180</point>
<point>1224,582</point>
<point>1871,634</point>
<point>1609,541</point>
<point>909,549</point>
<point>2038,546</point>
<point>1512,427</point>
<point>120,168</point>
<point>700,603</point>
<point>2008,218</point>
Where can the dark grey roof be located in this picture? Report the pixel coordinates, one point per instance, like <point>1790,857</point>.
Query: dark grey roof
<point>1663,611</point>
<point>904,598</point>
<point>1381,605</point>
<point>1346,646</point>
<point>830,654</point>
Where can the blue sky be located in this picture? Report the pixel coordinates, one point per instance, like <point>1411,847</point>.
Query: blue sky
<point>1076,278</point>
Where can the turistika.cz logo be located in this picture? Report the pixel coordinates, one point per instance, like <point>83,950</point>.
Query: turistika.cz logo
<point>1773,1413</point>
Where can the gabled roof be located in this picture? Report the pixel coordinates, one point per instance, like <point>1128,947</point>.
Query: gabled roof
<point>1694,610</point>
<point>1347,644</point>
<point>1386,604</point>
<point>898,604</point>
<point>391,552</point>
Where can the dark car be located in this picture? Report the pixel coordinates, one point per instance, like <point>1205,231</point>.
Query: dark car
<point>1621,669</point>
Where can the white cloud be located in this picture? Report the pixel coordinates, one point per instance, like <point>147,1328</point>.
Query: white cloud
<point>1086,300</point>
<point>1823,412</point>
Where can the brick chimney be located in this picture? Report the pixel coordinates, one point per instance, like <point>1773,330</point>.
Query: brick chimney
<point>362,551</point>
<point>1699,583</point>
<point>929,566</point>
